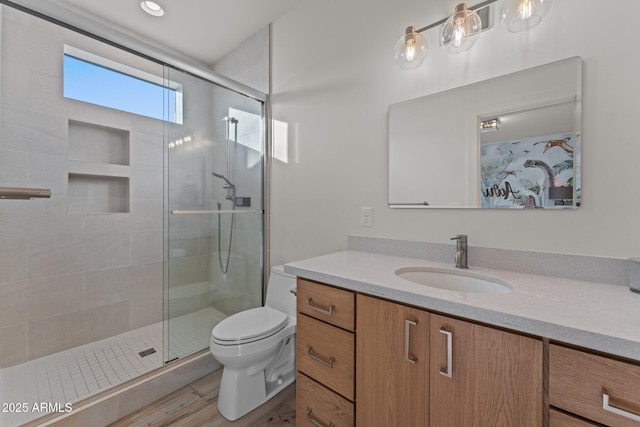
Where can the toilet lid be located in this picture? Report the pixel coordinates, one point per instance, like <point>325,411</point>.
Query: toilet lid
<point>249,325</point>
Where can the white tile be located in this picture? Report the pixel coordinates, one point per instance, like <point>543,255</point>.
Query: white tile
<point>76,373</point>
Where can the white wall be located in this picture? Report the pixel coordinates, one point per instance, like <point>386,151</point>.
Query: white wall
<point>334,78</point>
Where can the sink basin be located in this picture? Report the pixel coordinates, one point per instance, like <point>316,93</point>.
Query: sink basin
<point>460,281</point>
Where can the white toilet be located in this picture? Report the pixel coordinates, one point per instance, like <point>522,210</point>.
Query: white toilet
<point>257,349</point>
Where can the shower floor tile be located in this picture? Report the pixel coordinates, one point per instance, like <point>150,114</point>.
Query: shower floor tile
<point>72,375</point>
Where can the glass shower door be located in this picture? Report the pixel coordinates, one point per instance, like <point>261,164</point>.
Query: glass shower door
<point>214,233</point>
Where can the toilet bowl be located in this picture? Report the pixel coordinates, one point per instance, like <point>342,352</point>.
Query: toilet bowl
<point>257,349</point>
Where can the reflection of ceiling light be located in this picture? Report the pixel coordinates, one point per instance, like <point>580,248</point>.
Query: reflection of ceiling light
<point>489,125</point>
<point>152,8</point>
<point>184,139</point>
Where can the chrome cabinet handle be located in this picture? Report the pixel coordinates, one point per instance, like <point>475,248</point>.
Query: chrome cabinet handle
<point>328,311</point>
<point>407,325</point>
<point>447,371</point>
<point>609,408</point>
<point>328,364</point>
<point>315,422</point>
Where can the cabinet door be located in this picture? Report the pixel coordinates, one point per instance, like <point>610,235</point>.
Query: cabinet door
<point>392,368</point>
<point>482,376</point>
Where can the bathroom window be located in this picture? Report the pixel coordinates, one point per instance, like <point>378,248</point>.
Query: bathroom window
<point>97,80</point>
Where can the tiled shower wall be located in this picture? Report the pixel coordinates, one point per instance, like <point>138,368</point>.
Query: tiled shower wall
<point>68,277</point>
<point>87,263</point>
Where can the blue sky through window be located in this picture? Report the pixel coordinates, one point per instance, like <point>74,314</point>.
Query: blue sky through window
<point>96,84</point>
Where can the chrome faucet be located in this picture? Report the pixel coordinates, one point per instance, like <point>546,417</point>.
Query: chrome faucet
<point>461,250</point>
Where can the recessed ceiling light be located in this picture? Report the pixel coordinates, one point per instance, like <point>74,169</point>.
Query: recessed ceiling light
<point>152,8</point>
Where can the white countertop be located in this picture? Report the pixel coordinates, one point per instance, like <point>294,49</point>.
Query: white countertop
<point>597,316</point>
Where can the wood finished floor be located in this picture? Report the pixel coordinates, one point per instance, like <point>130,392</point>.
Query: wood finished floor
<point>196,405</point>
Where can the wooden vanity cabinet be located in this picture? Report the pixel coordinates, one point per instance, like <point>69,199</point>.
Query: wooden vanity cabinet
<point>325,355</point>
<point>392,367</point>
<point>414,368</point>
<point>482,376</point>
<point>595,387</point>
<point>409,367</point>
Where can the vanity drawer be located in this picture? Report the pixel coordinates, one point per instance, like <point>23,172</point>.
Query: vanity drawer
<point>326,354</point>
<point>579,382</point>
<point>560,419</point>
<point>329,304</point>
<point>316,403</point>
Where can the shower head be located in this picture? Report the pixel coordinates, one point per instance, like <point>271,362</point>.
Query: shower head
<point>219,175</point>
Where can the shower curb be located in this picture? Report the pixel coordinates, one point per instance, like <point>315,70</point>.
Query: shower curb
<point>111,405</point>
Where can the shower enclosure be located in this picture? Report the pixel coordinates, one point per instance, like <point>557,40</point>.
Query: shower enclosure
<point>131,212</point>
<point>215,216</point>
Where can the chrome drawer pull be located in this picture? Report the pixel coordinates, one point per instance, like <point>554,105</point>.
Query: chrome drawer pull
<point>316,422</point>
<point>447,371</point>
<point>328,311</point>
<point>407,324</point>
<point>607,407</point>
<point>318,359</point>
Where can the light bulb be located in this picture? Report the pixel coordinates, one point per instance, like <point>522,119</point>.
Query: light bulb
<point>411,50</point>
<point>522,15</point>
<point>525,9</point>
<point>458,34</point>
<point>461,30</point>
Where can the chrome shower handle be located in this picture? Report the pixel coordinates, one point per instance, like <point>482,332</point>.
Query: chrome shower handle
<point>328,311</point>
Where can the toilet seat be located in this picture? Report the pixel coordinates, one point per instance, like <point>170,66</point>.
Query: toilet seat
<point>249,326</point>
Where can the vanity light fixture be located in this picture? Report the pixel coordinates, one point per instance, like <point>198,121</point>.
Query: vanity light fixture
<point>152,8</point>
<point>459,31</point>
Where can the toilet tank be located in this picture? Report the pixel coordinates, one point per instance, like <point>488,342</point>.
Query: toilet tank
<point>279,288</point>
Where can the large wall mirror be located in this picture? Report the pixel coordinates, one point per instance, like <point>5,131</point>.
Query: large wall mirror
<point>509,142</point>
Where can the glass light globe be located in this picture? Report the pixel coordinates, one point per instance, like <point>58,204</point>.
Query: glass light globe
<point>461,30</point>
<point>522,15</point>
<point>411,50</point>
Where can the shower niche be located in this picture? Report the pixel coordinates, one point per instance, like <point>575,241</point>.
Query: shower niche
<point>99,169</point>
